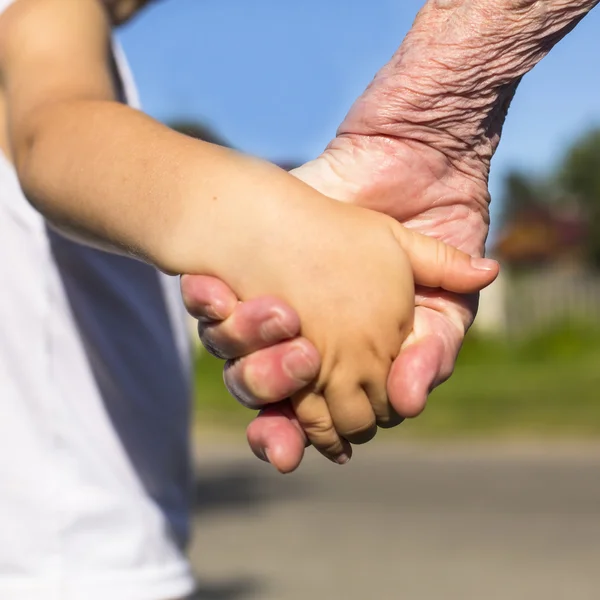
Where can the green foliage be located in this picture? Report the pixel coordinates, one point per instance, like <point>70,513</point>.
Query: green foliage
<point>580,170</point>
<point>564,341</point>
<point>544,398</point>
<point>522,192</point>
<point>579,177</point>
<point>548,383</point>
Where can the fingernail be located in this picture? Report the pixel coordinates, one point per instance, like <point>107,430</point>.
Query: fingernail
<point>342,459</point>
<point>275,329</point>
<point>483,264</point>
<point>299,365</point>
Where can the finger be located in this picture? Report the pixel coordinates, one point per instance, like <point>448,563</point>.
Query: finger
<point>428,354</point>
<point>272,374</point>
<point>207,298</point>
<point>252,325</point>
<point>352,413</point>
<point>276,436</point>
<point>313,416</point>
<point>436,264</point>
<point>386,416</point>
<point>413,374</point>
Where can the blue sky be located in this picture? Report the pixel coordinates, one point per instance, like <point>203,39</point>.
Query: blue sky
<point>276,77</point>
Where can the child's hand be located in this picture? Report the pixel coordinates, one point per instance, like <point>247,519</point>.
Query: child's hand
<point>356,305</point>
<point>359,331</point>
<point>341,267</point>
<point>344,270</point>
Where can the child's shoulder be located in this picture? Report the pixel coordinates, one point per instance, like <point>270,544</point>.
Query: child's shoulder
<point>54,51</point>
<point>53,41</point>
<point>27,24</point>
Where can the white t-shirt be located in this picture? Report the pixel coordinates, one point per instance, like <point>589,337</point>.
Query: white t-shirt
<point>94,415</point>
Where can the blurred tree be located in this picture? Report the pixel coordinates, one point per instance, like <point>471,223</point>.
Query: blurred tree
<point>556,216</point>
<point>203,132</point>
<point>521,194</point>
<point>579,178</point>
<point>200,131</point>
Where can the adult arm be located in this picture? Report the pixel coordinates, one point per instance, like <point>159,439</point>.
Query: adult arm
<point>451,82</point>
<point>430,123</point>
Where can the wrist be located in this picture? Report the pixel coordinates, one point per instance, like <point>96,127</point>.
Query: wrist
<point>451,82</point>
<point>223,200</point>
<point>234,216</point>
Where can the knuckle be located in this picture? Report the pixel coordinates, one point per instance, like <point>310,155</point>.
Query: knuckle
<point>256,380</point>
<point>331,449</point>
<point>321,427</point>
<point>324,437</point>
<point>276,327</point>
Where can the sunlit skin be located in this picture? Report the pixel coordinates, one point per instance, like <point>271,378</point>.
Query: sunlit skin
<point>283,369</point>
<point>109,175</point>
<point>427,127</point>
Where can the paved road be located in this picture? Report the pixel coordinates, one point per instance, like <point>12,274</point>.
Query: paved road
<point>402,522</point>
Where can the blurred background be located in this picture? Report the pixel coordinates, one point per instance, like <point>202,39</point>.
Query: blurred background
<point>495,489</point>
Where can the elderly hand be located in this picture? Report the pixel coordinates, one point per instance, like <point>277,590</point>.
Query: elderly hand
<point>405,149</point>
<point>375,172</point>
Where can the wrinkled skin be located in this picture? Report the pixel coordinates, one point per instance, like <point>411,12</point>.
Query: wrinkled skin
<point>412,147</point>
<point>424,189</point>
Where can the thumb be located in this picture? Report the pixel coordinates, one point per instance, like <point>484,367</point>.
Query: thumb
<point>438,265</point>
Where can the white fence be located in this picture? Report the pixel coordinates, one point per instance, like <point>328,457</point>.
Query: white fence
<point>516,304</point>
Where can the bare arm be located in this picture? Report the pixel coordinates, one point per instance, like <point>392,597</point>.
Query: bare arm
<point>109,174</point>
<point>417,145</point>
<point>451,82</point>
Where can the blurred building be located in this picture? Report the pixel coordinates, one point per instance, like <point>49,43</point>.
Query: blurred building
<point>541,236</point>
<point>545,277</point>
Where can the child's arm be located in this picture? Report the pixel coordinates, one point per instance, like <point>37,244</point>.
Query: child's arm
<point>106,172</point>
<point>114,176</point>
